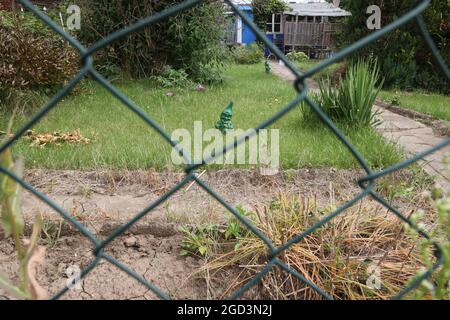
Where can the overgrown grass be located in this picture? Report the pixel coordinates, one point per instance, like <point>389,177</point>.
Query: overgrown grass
<point>122,140</point>
<point>433,104</point>
<point>337,257</point>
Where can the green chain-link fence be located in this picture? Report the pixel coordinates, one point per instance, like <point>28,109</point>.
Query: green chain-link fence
<point>366,183</point>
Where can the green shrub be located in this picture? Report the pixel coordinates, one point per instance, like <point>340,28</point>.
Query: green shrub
<point>263,9</point>
<point>297,56</point>
<point>28,21</point>
<point>173,78</point>
<point>399,74</point>
<point>248,54</point>
<point>405,59</point>
<point>352,100</point>
<point>189,40</point>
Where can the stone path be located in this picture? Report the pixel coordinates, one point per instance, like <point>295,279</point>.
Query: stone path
<point>412,136</point>
<point>415,137</point>
<point>284,73</point>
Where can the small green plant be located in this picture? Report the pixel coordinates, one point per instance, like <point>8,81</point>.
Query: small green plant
<point>395,100</point>
<point>438,285</point>
<point>352,100</point>
<point>297,56</point>
<point>201,239</point>
<point>173,78</point>
<point>250,54</point>
<point>29,254</point>
<point>234,229</point>
<point>198,240</point>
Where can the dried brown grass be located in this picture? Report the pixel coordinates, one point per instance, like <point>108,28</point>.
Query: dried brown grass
<point>335,257</point>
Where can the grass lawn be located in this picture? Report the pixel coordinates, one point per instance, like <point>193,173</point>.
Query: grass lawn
<point>122,140</point>
<point>435,105</point>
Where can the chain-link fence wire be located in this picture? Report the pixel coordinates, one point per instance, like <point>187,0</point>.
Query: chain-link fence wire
<point>366,183</point>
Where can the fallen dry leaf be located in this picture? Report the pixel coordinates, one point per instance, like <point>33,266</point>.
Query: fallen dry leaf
<point>37,257</point>
<point>57,138</point>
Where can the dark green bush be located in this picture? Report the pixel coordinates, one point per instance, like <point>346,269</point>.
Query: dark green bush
<point>399,74</point>
<point>250,54</point>
<point>404,58</point>
<point>189,40</point>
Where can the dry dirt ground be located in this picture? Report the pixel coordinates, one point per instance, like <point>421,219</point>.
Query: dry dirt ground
<point>103,200</point>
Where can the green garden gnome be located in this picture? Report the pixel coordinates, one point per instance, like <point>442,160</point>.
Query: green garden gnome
<point>267,66</point>
<point>224,124</point>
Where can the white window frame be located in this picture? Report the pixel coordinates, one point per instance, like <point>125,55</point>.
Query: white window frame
<point>239,29</point>
<point>271,25</point>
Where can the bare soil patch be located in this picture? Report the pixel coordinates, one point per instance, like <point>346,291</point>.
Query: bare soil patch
<point>104,200</point>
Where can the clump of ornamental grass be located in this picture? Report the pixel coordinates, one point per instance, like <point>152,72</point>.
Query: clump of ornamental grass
<point>339,257</point>
<point>351,101</point>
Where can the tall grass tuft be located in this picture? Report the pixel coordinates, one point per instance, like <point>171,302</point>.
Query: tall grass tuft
<point>338,257</point>
<point>352,100</point>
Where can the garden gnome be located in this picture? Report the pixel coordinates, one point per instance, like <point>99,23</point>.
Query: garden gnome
<point>267,66</point>
<point>224,124</point>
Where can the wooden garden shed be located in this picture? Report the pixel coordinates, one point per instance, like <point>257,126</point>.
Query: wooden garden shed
<point>311,26</point>
<point>306,25</point>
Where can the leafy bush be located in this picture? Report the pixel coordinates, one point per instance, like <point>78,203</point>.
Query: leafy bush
<point>173,78</point>
<point>352,100</point>
<point>248,54</point>
<point>399,74</point>
<point>297,56</point>
<point>404,58</point>
<point>27,21</point>
<point>32,60</point>
<point>189,40</point>
<point>263,9</point>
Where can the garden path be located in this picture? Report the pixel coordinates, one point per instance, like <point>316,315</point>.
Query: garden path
<point>411,135</point>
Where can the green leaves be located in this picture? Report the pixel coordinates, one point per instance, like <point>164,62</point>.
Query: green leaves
<point>28,252</point>
<point>251,54</point>
<point>352,101</point>
<point>199,240</point>
<point>10,196</point>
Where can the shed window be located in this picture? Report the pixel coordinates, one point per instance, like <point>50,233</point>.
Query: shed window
<point>274,24</point>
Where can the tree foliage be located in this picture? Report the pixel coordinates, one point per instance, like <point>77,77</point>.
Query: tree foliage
<point>405,59</point>
<point>263,9</point>
<point>189,40</point>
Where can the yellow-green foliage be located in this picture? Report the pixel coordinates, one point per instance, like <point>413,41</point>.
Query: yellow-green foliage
<point>13,225</point>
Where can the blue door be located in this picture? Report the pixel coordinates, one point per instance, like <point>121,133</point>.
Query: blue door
<point>247,34</point>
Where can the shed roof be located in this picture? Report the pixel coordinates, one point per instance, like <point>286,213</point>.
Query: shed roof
<point>312,9</point>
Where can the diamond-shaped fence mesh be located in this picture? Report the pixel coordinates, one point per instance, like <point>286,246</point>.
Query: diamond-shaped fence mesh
<point>367,183</point>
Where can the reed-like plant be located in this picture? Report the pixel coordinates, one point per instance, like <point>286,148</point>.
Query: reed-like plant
<point>352,100</point>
